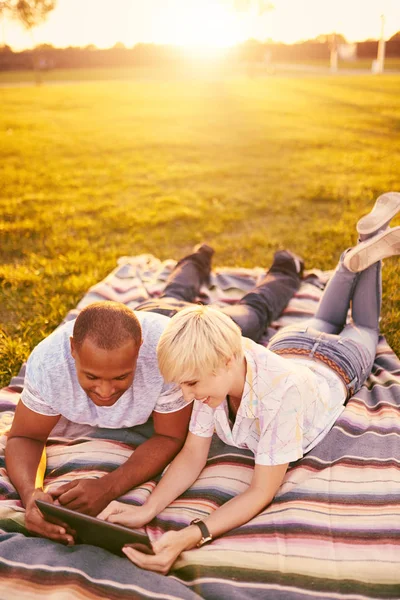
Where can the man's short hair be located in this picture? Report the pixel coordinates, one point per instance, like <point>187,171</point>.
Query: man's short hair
<point>197,341</point>
<point>109,325</point>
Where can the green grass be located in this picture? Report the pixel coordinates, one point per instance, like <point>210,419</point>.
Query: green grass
<point>184,71</point>
<point>95,171</point>
<point>391,64</point>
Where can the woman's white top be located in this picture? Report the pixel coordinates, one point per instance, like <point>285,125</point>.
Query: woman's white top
<point>287,407</point>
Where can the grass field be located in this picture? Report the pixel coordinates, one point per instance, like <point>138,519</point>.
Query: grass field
<point>198,69</point>
<point>94,171</point>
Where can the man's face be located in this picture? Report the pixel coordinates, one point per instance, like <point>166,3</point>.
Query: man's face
<point>104,374</point>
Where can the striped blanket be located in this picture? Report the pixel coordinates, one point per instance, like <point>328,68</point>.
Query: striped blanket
<point>332,532</point>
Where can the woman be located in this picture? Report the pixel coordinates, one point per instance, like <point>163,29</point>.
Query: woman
<point>278,401</point>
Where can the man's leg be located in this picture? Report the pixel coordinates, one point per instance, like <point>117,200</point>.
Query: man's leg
<point>183,284</point>
<point>257,309</point>
<point>189,274</point>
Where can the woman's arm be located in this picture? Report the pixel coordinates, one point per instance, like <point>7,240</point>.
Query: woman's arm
<point>180,475</point>
<point>237,511</point>
<point>265,483</point>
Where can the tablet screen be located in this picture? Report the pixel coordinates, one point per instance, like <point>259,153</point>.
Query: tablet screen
<point>91,530</point>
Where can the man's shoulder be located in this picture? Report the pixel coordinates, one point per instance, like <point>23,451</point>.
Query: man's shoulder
<point>55,348</point>
<point>152,325</point>
<point>50,374</point>
<point>150,320</point>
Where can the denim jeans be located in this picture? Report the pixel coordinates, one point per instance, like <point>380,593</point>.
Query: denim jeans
<point>348,349</point>
<point>253,313</point>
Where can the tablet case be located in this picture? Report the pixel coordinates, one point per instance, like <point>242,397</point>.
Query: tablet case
<point>91,530</point>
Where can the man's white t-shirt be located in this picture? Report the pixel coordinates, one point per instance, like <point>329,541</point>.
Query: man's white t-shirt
<point>51,385</point>
<point>286,408</point>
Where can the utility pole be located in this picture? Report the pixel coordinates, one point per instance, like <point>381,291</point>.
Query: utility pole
<point>334,54</point>
<point>380,59</point>
<point>378,65</point>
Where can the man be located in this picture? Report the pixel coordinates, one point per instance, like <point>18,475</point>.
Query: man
<point>101,369</point>
<point>254,312</point>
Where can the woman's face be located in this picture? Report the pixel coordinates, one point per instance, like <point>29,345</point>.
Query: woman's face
<point>211,388</point>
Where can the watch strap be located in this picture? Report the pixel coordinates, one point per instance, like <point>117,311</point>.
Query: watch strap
<point>206,535</point>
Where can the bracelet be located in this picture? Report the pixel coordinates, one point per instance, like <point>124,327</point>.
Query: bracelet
<point>206,535</point>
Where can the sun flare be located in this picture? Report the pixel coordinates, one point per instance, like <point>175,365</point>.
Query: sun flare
<point>202,26</point>
<point>205,27</point>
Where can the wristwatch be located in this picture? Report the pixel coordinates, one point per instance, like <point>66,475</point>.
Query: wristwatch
<point>206,535</point>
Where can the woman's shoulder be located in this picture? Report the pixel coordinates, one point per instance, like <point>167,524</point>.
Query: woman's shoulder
<point>274,368</point>
<point>261,355</point>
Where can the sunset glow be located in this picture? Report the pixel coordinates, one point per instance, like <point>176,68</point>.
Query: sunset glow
<point>206,25</point>
<point>203,24</point>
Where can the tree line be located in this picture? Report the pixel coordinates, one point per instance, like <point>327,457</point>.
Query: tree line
<point>47,57</point>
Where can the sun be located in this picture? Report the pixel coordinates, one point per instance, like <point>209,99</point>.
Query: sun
<point>207,25</point>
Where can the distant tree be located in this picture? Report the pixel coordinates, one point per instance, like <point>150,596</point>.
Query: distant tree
<point>5,6</point>
<point>119,46</point>
<point>327,38</point>
<point>5,10</point>
<point>395,37</point>
<point>31,12</point>
<point>44,47</point>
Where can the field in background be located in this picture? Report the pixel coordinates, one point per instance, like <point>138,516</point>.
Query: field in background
<point>192,70</point>
<point>95,171</point>
<point>391,64</point>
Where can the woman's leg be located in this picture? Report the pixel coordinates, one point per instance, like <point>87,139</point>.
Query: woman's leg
<point>366,291</point>
<point>334,305</point>
<point>366,309</point>
<point>351,348</point>
<point>367,297</point>
<point>360,337</point>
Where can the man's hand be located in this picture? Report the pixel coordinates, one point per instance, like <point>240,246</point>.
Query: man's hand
<point>87,496</point>
<point>166,550</point>
<point>124,514</point>
<point>36,522</point>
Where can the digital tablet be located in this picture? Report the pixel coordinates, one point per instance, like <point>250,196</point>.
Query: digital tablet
<point>91,530</point>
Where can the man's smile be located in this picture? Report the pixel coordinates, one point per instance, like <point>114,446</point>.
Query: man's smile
<point>105,401</point>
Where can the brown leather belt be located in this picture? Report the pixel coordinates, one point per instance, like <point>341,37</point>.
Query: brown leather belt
<point>320,357</point>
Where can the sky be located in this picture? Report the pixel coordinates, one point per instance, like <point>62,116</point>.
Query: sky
<point>203,23</point>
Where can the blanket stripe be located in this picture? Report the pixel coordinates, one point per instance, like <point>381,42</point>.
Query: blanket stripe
<point>332,532</point>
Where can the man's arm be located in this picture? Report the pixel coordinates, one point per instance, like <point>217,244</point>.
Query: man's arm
<point>91,496</point>
<point>25,444</point>
<point>24,454</point>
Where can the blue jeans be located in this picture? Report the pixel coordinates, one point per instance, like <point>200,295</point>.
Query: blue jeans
<point>348,349</point>
<point>253,313</point>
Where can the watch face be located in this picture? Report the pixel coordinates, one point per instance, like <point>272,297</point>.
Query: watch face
<point>204,541</point>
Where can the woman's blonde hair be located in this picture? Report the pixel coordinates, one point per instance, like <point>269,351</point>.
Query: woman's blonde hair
<point>197,341</point>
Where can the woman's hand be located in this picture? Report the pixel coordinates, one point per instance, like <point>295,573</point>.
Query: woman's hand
<point>166,550</point>
<point>124,514</point>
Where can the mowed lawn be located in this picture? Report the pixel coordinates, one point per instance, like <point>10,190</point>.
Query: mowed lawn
<point>93,171</point>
